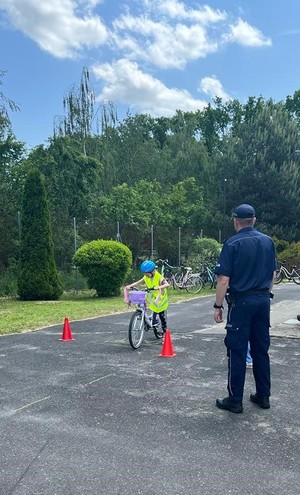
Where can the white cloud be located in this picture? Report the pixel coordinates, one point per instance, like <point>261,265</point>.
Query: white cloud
<point>212,87</point>
<point>56,26</point>
<point>126,83</point>
<point>160,43</point>
<point>168,34</point>
<point>175,9</point>
<point>244,34</point>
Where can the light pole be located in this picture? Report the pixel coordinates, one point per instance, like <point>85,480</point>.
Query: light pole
<point>224,198</point>
<point>224,206</point>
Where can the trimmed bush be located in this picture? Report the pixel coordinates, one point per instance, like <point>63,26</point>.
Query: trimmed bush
<point>105,265</point>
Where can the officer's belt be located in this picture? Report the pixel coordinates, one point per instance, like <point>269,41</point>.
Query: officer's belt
<point>251,292</point>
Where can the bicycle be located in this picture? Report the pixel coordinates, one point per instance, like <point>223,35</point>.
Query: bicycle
<point>141,321</point>
<point>167,270</point>
<point>283,272</point>
<point>208,276</point>
<point>183,279</point>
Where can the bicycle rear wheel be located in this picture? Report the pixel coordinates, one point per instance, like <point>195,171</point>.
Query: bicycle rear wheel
<point>136,329</point>
<point>157,329</point>
<point>194,284</point>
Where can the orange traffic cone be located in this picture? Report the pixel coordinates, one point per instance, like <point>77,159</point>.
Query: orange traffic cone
<point>167,350</point>
<point>67,334</point>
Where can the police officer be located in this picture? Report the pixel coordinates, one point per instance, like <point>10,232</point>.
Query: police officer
<point>246,269</point>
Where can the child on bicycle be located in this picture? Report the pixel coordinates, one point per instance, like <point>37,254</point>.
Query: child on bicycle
<point>157,298</point>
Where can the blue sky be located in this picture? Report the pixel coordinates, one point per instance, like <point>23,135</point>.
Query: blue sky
<point>146,56</point>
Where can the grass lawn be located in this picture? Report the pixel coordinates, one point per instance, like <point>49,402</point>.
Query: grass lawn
<point>26,316</point>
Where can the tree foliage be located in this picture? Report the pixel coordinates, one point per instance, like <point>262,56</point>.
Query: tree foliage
<point>38,277</point>
<point>6,105</point>
<point>11,182</point>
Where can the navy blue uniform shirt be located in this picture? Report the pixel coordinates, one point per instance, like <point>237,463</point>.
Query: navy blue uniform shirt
<point>248,259</point>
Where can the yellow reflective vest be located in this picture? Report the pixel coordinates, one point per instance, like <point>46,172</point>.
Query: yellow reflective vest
<point>156,300</point>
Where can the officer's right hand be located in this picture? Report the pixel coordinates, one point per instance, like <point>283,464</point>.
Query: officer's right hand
<point>218,315</point>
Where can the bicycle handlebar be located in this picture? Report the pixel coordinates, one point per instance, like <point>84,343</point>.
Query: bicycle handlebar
<point>147,289</point>
<point>165,262</point>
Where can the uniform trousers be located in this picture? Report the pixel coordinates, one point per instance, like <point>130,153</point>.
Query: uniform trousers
<point>248,319</point>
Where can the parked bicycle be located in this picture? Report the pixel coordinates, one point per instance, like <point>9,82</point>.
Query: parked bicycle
<point>168,271</point>
<point>283,272</point>
<point>181,278</point>
<point>208,276</point>
<point>141,320</point>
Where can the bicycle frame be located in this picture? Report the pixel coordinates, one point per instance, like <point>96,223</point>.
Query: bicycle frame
<point>142,308</point>
<point>210,274</point>
<point>140,323</point>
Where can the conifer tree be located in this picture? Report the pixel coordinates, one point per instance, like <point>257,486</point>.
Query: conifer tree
<point>38,277</point>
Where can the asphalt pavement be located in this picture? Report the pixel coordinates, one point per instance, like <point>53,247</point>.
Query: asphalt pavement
<point>92,416</point>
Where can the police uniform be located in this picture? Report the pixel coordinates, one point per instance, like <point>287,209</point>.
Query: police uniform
<point>248,259</point>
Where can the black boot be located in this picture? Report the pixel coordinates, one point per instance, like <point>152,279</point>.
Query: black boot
<point>229,405</point>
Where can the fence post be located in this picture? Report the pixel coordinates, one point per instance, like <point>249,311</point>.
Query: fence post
<point>75,249</point>
<point>118,236</point>
<point>179,246</point>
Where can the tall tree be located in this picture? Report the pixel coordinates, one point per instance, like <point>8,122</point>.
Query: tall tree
<point>11,154</point>
<point>38,277</point>
<point>11,180</point>
<point>83,118</point>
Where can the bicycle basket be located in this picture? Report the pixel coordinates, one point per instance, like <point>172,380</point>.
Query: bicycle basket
<point>137,296</point>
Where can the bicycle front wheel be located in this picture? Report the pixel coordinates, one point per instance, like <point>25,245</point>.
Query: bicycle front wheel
<point>194,284</point>
<point>278,277</point>
<point>136,330</point>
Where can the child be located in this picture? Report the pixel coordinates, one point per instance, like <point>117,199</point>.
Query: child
<point>157,299</point>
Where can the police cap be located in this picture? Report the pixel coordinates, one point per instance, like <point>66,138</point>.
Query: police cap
<point>244,211</point>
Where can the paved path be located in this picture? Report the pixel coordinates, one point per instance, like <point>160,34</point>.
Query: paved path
<point>94,417</point>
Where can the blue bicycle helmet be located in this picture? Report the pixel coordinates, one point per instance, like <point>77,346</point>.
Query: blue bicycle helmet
<point>148,266</point>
